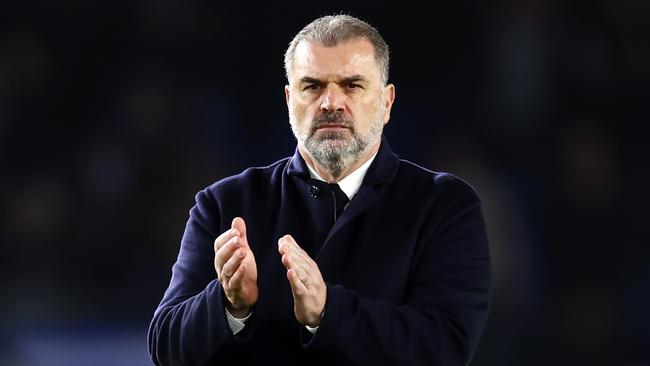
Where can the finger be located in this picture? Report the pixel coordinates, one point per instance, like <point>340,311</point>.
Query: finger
<point>237,278</point>
<point>297,287</point>
<point>291,259</point>
<point>282,248</point>
<point>288,244</point>
<point>287,260</point>
<point>307,273</point>
<point>305,269</point>
<point>223,238</point>
<point>303,276</point>
<point>233,263</point>
<point>225,252</point>
<point>240,225</point>
<point>289,241</point>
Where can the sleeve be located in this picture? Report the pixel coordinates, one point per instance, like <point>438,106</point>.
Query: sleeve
<point>190,324</point>
<point>236,324</point>
<point>444,311</point>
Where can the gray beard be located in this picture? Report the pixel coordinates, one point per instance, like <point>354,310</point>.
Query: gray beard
<point>334,152</point>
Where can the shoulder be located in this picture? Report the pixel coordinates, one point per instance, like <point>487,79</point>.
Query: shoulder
<point>251,179</point>
<point>440,184</point>
<point>441,200</point>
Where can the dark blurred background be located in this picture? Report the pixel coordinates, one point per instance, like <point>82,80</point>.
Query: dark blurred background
<point>114,114</point>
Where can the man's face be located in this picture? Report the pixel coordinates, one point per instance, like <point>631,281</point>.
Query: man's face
<point>337,102</point>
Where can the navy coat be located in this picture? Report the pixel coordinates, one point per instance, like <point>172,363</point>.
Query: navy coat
<point>406,265</point>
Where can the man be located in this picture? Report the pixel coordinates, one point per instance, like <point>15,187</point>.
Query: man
<point>340,255</point>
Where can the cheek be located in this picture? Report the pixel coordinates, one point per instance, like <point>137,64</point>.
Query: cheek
<point>369,112</point>
<point>296,110</point>
<point>301,112</point>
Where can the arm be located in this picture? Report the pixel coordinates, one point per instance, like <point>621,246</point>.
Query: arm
<point>190,324</point>
<point>444,309</point>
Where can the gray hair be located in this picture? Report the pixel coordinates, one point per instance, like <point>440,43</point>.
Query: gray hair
<point>333,29</point>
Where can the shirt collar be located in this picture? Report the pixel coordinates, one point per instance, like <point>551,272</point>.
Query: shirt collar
<point>350,184</point>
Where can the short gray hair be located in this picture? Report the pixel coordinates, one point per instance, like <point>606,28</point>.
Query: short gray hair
<point>331,30</point>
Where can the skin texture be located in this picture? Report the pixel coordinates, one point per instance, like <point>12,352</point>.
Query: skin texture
<point>338,107</point>
<point>236,268</point>
<point>307,284</point>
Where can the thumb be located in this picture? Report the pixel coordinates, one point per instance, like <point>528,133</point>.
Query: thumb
<point>239,224</point>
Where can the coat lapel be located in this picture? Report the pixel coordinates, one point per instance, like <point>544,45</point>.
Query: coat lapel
<point>361,201</point>
<point>381,172</point>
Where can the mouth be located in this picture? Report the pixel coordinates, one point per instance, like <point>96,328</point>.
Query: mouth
<point>332,126</point>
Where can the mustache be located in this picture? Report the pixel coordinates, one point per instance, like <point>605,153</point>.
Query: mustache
<point>329,118</point>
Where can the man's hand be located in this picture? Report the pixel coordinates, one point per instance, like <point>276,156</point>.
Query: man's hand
<point>307,284</point>
<point>236,268</point>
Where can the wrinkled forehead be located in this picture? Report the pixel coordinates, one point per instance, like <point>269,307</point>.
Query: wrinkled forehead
<point>353,57</point>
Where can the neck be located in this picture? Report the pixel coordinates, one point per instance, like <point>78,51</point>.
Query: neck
<point>327,175</point>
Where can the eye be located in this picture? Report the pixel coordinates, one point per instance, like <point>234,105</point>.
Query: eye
<point>312,87</point>
<point>353,86</point>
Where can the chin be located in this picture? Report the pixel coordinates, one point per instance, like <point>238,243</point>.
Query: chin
<point>334,142</point>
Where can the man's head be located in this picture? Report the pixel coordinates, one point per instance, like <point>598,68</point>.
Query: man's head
<point>338,99</point>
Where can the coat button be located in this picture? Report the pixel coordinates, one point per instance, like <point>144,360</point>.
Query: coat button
<point>314,192</point>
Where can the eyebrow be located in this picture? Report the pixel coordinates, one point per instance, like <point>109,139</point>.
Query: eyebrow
<point>348,80</point>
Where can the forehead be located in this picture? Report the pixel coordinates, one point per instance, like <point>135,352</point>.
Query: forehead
<point>353,57</point>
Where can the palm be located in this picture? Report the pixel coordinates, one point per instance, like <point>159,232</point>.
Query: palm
<point>249,291</point>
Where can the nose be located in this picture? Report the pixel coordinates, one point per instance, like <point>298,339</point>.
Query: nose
<point>333,99</point>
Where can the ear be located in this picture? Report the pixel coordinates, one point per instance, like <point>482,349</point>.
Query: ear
<point>389,99</point>
<point>286,94</point>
